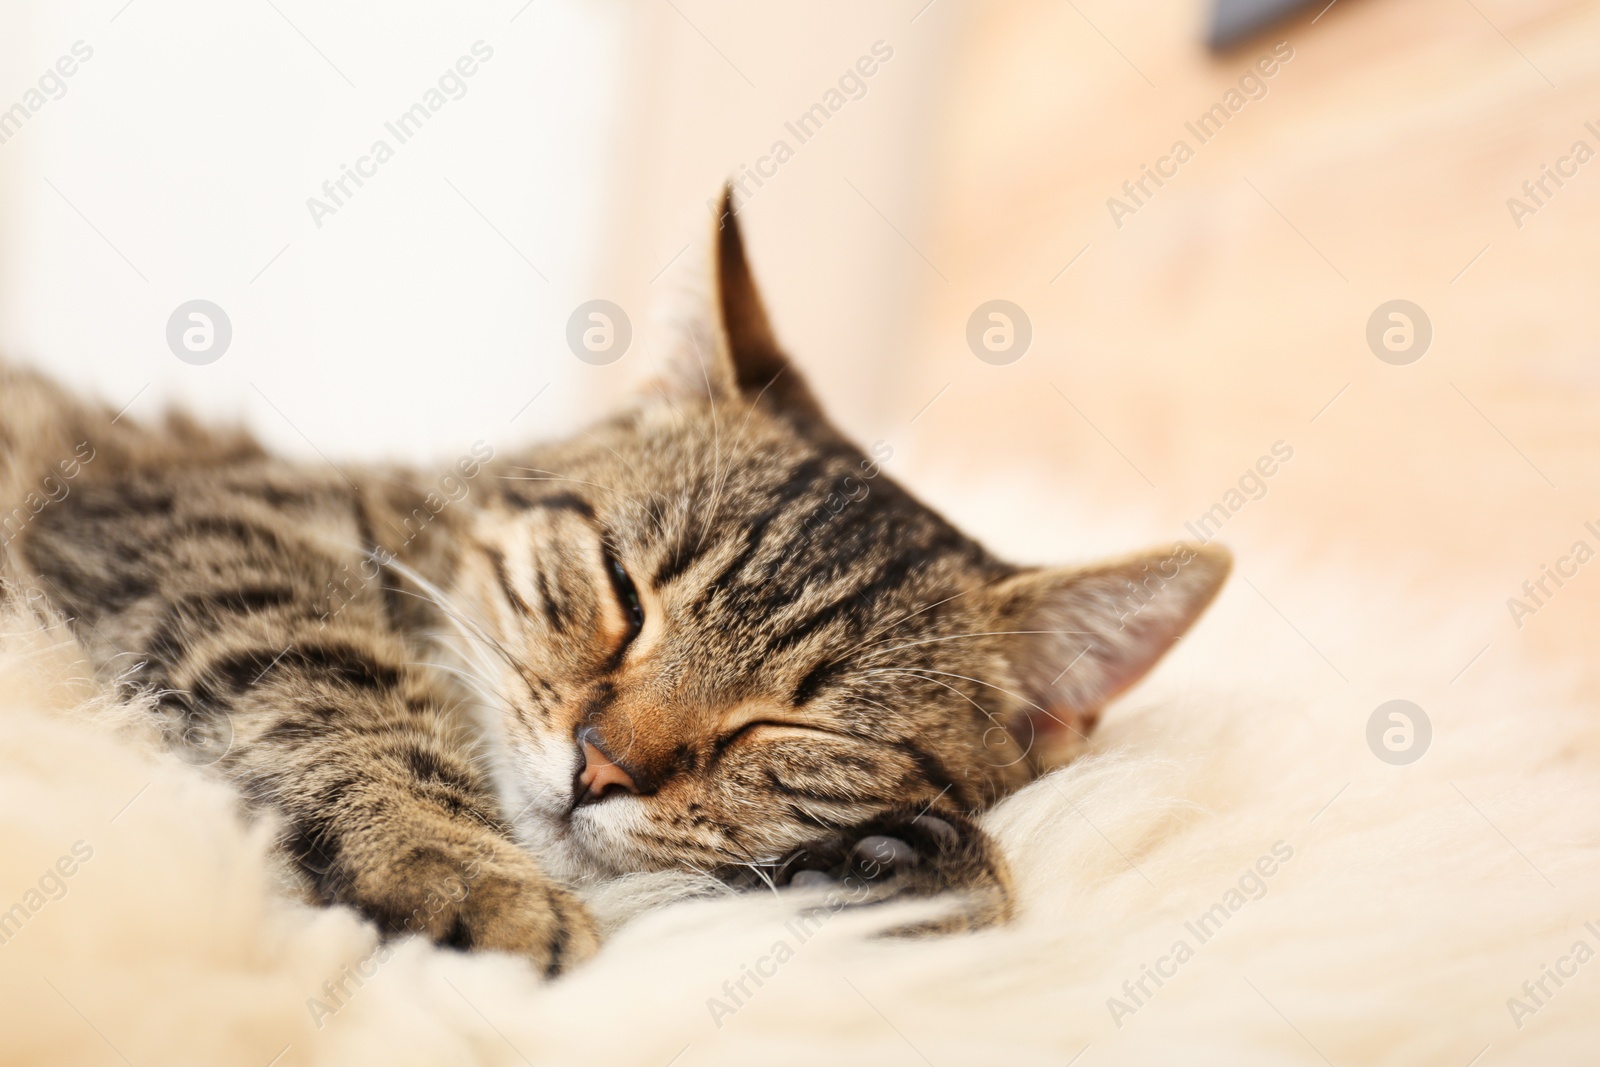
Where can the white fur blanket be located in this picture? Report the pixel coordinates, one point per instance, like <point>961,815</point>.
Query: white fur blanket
<point>1297,900</point>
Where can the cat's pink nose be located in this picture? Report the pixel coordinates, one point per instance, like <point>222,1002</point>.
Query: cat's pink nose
<point>600,775</point>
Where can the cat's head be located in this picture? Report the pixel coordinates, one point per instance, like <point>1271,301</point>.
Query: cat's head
<point>725,627</point>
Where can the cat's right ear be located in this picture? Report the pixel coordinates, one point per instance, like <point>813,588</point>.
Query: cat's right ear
<point>724,348</point>
<point>1080,636</point>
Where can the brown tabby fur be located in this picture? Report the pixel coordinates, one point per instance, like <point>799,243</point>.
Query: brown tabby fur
<point>821,657</point>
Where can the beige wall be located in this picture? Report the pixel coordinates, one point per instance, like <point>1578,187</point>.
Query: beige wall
<point>1223,315</point>
<point>1216,320</point>
<point>711,91</point>
<point>178,163</point>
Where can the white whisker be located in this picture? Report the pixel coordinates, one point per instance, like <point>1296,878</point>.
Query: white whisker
<point>720,483</point>
<point>651,506</point>
<point>889,626</point>
<point>959,637</point>
<point>976,681</point>
<point>716,456</point>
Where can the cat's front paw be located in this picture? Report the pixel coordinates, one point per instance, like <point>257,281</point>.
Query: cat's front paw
<point>905,853</point>
<point>489,897</point>
<point>524,913</point>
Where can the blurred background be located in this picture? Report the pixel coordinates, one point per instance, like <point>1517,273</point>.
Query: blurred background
<point>1200,253</point>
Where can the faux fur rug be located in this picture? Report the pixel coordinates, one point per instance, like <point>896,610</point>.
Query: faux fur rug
<point>1231,877</point>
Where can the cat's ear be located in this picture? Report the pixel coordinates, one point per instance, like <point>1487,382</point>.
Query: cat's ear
<point>1081,636</point>
<point>726,348</point>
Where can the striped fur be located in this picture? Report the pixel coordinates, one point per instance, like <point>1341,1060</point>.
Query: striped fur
<point>817,656</point>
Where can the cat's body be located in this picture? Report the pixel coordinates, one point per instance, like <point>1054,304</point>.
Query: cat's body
<point>695,655</point>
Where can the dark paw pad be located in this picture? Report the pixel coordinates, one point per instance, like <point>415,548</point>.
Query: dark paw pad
<point>813,880</point>
<point>877,853</point>
<point>880,852</point>
<point>896,855</point>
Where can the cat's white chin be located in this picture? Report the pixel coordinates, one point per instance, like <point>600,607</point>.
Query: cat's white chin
<point>576,845</point>
<point>598,839</point>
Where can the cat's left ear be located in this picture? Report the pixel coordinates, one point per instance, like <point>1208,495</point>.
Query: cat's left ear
<point>727,349</point>
<point>1079,637</point>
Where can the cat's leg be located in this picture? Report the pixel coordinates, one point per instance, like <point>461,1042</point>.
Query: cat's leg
<point>318,709</point>
<point>901,853</point>
<point>383,812</point>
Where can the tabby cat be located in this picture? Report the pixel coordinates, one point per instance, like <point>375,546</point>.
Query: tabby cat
<point>710,634</point>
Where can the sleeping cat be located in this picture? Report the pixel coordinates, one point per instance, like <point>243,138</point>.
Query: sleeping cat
<point>692,655</point>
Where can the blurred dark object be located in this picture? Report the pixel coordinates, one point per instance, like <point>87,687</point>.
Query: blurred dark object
<point>1233,21</point>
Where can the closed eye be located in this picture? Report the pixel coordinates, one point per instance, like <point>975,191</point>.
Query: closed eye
<point>627,598</point>
<point>722,743</point>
